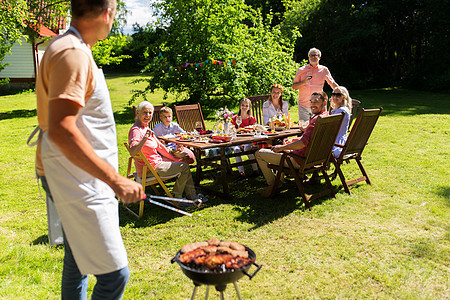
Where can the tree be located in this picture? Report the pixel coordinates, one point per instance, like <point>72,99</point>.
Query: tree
<point>11,25</point>
<point>217,50</point>
<point>120,19</point>
<point>377,43</point>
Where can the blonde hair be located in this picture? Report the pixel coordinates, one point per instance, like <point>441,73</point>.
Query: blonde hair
<point>165,110</point>
<point>347,99</point>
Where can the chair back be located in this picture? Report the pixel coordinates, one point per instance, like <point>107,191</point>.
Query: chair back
<point>355,105</point>
<point>147,166</point>
<point>188,115</point>
<point>354,111</point>
<point>322,140</point>
<point>257,104</point>
<point>361,131</point>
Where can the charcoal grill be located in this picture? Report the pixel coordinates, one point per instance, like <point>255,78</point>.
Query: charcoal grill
<point>218,277</point>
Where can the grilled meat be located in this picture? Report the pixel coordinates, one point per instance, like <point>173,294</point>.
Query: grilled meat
<point>193,246</point>
<point>237,262</point>
<point>214,242</point>
<point>188,257</point>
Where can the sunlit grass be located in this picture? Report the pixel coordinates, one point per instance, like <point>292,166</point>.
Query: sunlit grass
<point>389,240</point>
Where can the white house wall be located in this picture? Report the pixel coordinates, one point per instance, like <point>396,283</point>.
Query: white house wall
<point>20,61</point>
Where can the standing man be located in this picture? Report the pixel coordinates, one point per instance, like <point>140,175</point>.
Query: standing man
<point>309,79</point>
<point>80,156</point>
<point>265,156</point>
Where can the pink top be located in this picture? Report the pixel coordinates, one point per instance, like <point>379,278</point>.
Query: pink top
<point>319,74</point>
<point>150,148</point>
<point>245,122</point>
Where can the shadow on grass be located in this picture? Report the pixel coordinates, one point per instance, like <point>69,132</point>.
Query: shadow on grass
<point>18,113</point>
<point>125,116</point>
<point>42,240</point>
<point>246,200</point>
<point>444,191</point>
<point>399,102</point>
<point>153,215</point>
<point>260,211</point>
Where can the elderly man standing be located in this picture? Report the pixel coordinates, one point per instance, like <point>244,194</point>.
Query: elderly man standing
<point>309,79</point>
<point>265,156</point>
<point>80,156</point>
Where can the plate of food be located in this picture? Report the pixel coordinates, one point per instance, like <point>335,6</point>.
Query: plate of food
<point>222,137</point>
<point>270,133</point>
<point>184,137</point>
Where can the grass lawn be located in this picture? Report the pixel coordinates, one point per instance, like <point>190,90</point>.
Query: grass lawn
<point>390,240</point>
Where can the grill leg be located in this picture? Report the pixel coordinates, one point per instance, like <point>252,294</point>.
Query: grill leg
<point>238,291</point>
<point>207,292</point>
<point>194,292</point>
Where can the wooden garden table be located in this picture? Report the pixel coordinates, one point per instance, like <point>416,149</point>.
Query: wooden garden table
<point>221,163</point>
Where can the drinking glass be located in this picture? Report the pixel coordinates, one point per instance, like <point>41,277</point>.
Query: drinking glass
<point>239,121</point>
<point>198,126</point>
<point>307,75</point>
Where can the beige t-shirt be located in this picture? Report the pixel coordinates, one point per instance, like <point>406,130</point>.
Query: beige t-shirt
<point>66,72</point>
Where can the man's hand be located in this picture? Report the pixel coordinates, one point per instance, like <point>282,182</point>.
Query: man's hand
<point>277,148</point>
<point>128,191</point>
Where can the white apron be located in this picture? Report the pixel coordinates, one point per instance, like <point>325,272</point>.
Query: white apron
<point>86,205</point>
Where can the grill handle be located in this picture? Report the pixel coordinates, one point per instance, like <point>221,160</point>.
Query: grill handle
<point>258,267</point>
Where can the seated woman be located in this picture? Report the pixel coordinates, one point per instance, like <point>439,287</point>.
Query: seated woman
<point>341,102</point>
<point>141,138</point>
<point>275,105</point>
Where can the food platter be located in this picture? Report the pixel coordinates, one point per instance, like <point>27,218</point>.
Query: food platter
<point>270,133</point>
<point>245,134</point>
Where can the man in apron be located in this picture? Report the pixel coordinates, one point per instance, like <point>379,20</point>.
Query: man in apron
<point>80,157</point>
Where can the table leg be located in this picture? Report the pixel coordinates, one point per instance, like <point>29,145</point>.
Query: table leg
<point>198,173</point>
<point>223,171</point>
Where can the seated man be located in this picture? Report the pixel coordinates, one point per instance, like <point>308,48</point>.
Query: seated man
<point>318,104</point>
<point>167,127</point>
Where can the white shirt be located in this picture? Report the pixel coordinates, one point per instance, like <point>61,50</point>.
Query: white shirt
<point>269,110</point>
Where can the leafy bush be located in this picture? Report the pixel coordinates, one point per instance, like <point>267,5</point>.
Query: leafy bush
<point>109,51</point>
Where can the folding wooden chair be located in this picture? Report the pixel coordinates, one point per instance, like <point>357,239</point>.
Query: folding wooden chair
<point>155,117</point>
<point>317,156</point>
<point>355,144</point>
<point>188,115</point>
<point>355,105</point>
<point>257,104</point>
<point>147,181</point>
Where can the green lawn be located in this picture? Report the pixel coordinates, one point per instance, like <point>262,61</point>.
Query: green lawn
<point>389,240</point>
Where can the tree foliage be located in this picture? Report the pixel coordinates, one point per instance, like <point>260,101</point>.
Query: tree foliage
<point>110,50</point>
<point>120,19</point>
<point>378,42</point>
<point>249,54</point>
<point>12,16</point>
